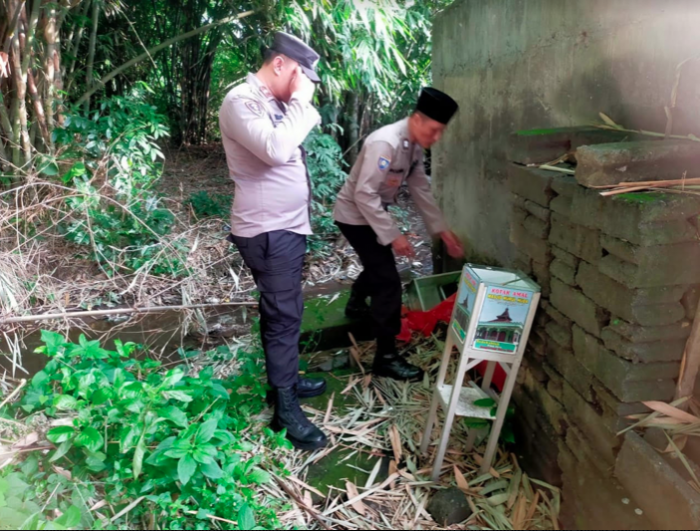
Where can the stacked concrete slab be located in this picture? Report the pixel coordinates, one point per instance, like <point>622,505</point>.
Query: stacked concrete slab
<point>620,280</point>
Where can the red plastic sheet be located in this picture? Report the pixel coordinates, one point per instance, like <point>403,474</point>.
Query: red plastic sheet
<point>425,323</point>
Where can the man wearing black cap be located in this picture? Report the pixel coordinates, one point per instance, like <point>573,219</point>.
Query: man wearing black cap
<point>263,124</point>
<point>389,158</point>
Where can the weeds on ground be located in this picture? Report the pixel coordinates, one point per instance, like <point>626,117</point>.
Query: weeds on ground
<point>204,205</point>
<point>112,159</point>
<point>126,443</point>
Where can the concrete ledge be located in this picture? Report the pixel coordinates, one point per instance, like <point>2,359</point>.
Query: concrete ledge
<point>664,496</point>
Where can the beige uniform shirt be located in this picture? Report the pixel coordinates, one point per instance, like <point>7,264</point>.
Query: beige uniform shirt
<point>387,160</point>
<point>262,139</point>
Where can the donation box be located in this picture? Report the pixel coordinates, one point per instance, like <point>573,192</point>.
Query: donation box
<point>491,322</point>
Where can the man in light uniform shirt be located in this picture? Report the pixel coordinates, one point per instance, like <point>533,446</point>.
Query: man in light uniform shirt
<point>263,124</point>
<point>390,157</point>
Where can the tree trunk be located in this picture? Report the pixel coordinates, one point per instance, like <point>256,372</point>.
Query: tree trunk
<point>352,127</point>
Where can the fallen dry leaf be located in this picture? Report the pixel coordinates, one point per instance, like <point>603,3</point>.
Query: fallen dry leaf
<point>351,489</point>
<point>673,412</point>
<point>462,482</point>
<point>396,442</point>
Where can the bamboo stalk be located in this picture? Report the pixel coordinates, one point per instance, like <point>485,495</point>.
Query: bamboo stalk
<point>624,190</point>
<point>16,101</point>
<point>117,311</point>
<point>567,171</point>
<point>91,50</point>
<point>50,70</point>
<point>40,116</point>
<point>692,138</point>
<point>114,73</point>
<point>74,46</point>
<point>668,182</point>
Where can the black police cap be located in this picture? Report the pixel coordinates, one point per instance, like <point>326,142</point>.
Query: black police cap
<point>436,105</point>
<point>299,51</point>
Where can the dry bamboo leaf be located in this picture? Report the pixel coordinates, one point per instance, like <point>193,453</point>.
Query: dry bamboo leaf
<point>533,508</point>
<point>98,506</point>
<point>462,482</point>
<point>514,487</point>
<point>393,468</point>
<point>353,383</point>
<point>396,442</point>
<point>307,499</point>
<point>329,410</point>
<point>306,486</point>
<point>366,381</point>
<point>608,121</point>
<point>351,489</point>
<point>670,411</point>
<point>63,472</point>
<point>356,358</point>
<point>472,506</point>
<point>518,519</point>
<point>527,487</point>
<point>380,397</point>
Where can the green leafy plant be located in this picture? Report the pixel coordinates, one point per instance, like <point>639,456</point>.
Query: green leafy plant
<point>112,158</point>
<point>325,163</point>
<point>173,440</point>
<point>204,205</point>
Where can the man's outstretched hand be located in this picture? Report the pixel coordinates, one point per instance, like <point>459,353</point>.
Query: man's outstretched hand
<point>454,246</point>
<point>403,247</point>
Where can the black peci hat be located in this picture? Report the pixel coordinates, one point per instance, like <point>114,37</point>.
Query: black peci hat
<point>299,51</point>
<point>436,105</point>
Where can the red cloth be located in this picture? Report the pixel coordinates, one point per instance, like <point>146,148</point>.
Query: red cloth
<point>425,323</point>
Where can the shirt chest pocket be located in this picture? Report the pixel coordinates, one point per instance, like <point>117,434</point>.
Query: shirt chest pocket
<point>395,177</point>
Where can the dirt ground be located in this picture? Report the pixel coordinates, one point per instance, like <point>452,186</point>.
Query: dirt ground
<point>203,169</point>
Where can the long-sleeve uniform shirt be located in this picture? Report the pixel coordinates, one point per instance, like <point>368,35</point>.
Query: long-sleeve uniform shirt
<point>262,138</point>
<point>387,160</point>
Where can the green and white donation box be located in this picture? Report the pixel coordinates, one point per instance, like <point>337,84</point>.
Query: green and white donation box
<point>491,323</point>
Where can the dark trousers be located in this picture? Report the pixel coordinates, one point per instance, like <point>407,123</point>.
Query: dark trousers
<point>276,260</point>
<point>379,280</point>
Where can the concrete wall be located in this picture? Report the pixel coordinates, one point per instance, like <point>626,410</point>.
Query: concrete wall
<point>522,64</point>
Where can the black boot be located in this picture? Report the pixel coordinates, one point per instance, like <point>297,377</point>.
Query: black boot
<point>306,388</point>
<point>310,387</point>
<point>357,307</point>
<point>393,365</point>
<point>288,415</point>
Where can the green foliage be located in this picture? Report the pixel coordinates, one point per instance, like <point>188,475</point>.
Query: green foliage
<point>325,163</point>
<point>113,160</point>
<point>22,506</point>
<point>180,442</point>
<point>507,432</point>
<point>204,205</point>
<point>379,51</point>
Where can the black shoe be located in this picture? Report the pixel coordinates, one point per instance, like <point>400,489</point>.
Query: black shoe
<point>396,367</point>
<point>288,415</point>
<point>310,387</point>
<point>306,388</point>
<point>357,307</point>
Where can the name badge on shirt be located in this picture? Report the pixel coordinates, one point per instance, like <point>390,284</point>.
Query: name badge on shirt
<point>394,180</point>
